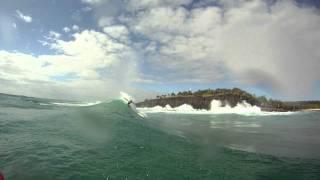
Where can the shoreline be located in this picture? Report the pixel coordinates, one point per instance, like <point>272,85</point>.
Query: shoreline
<point>202,99</point>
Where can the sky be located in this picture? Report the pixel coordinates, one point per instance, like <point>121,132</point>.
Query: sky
<point>93,49</point>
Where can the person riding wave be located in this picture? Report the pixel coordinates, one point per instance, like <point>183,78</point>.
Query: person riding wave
<point>129,102</point>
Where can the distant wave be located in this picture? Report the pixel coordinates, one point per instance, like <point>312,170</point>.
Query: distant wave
<point>75,104</point>
<point>216,107</point>
<point>234,124</point>
<point>242,148</point>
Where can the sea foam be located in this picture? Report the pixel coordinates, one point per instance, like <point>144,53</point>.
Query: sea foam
<point>76,104</point>
<point>216,107</point>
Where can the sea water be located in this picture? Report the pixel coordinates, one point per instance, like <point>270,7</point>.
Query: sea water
<point>46,139</point>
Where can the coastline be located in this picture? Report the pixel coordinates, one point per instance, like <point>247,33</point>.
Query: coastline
<point>202,99</point>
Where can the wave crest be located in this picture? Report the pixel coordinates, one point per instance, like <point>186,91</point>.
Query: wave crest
<point>73,104</point>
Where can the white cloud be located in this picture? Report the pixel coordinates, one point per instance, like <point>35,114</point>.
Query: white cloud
<point>108,12</point>
<point>134,5</point>
<point>94,1</point>
<point>25,18</point>
<point>93,62</point>
<point>147,4</point>
<point>75,28</point>
<point>66,29</point>
<point>118,32</point>
<point>54,35</point>
<point>105,21</point>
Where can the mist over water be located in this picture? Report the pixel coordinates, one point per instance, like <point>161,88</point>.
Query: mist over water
<point>108,140</point>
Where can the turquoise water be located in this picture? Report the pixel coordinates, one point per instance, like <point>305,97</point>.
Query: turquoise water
<point>109,141</point>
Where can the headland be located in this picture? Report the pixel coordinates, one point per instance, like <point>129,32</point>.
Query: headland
<point>201,99</point>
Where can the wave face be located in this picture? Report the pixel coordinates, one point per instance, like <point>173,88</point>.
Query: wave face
<point>31,102</point>
<point>216,107</point>
<point>108,140</point>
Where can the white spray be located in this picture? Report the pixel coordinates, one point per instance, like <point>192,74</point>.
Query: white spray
<point>216,107</point>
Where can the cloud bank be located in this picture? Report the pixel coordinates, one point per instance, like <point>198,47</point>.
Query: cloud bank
<point>267,44</point>
<point>91,65</point>
<point>255,43</point>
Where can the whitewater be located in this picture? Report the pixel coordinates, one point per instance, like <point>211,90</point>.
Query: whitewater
<point>242,108</point>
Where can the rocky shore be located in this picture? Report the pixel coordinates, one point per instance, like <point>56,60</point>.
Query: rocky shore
<point>201,100</point>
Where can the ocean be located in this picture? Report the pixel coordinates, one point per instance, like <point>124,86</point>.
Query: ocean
<point>46,139</point>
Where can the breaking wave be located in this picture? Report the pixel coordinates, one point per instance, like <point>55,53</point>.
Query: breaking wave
<point>69,104</point>
<point>78,104</point>
<point>216,107</point>
<point>242,108</point>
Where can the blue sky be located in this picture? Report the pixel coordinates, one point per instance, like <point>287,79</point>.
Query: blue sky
<point>91,49</point>
<point>47,16</point>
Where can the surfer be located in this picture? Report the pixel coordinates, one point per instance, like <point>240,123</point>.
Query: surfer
<point>130,102</point>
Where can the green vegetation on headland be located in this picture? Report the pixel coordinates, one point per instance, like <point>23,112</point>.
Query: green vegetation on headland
<point>201,99</point>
